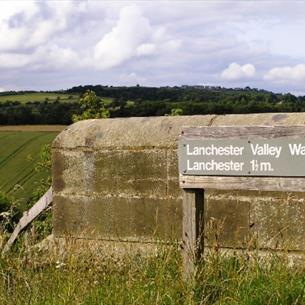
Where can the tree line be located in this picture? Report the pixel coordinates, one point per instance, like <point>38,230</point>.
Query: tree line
<point>16,113</point>
<point>152,101</point>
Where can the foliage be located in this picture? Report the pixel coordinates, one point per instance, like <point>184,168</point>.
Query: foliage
<point>45,160</point>
<point>175,112</point>
<point>10,212</point>
<point>152,101</point>
<point>92,107</point>
<point>17,113</point>
<point>104,101</point>
<point>5,202</point>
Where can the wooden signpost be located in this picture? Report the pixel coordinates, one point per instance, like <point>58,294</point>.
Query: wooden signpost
<point>266,158</point>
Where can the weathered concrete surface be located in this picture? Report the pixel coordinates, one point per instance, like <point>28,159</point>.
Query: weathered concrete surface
<point>117,179</point>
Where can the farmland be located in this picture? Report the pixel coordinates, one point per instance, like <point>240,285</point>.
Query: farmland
<point>38,97</point>
<point>44,96</point>
<point>19,153</point>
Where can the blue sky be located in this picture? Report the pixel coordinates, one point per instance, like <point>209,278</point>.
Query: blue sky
<point>59,44</point>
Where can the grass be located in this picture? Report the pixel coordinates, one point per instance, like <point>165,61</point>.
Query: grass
<point>56,128</point>
<point>39,97</point>
<point>98,278</point>
<point>42,96</point>
<point>19,152</point>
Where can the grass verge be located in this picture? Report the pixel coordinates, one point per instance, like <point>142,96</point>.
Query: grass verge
<point>97,278</point>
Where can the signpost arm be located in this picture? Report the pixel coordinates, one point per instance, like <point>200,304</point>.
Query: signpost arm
<point>193,225</point>
<point>265,158</point>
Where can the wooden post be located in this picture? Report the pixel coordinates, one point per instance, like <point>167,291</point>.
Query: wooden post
<point>193,225</point>
<point>29,216</point>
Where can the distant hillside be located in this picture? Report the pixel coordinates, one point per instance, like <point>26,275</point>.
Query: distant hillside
<point>151,101</point>
<point>57,107</point>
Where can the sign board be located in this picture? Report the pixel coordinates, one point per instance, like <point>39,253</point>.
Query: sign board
<point>258,154</point>
<point>265,158</point>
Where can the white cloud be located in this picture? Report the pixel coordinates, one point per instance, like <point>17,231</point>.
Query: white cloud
<point>56,57</point>
<point>146,49</point>
<point>10,9</point>
<point>13,60</point>
<point>286,74</point>
<point>173,44</point>
<point>49,44</point>
<point>25,24</point>
<point>130,37</point>
<point>237,72</point>
<point>49,56</point>
<point>2,89</point>
<point>131,79</point>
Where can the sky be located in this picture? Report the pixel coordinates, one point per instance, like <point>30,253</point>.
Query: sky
<point>52,45</point>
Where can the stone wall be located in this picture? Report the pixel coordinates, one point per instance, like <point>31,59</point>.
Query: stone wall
<point>117,179</point>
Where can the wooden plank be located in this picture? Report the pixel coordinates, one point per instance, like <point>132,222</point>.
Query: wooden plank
<point>243,183</point>
<point>29,216</point>
<point>242,132</point>
<point>192,226</point>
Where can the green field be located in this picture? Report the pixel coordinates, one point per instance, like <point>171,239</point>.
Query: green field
<point>19,152</point>
<point>43,96</point>
<point>39,97</point>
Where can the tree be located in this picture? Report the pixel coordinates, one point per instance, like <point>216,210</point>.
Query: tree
<point>175,112</point>
<point>92,107</point>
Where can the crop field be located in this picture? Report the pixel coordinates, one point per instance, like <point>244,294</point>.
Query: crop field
<point>57,128</point>
<point>19,153</point>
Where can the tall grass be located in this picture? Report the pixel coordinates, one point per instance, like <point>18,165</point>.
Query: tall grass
<point>94,277</point>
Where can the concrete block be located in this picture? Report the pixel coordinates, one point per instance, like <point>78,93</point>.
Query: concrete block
<point>278,220</point>
<point>226,219</point>
<point>172,157</point>
<point>118,179</point>
<point>134,173</point>
<point>113,218</point>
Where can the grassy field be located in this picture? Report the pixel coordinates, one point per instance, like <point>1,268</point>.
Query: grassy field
<point>39,97</point>
<point>56,128</point>
<point>19,152</point>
